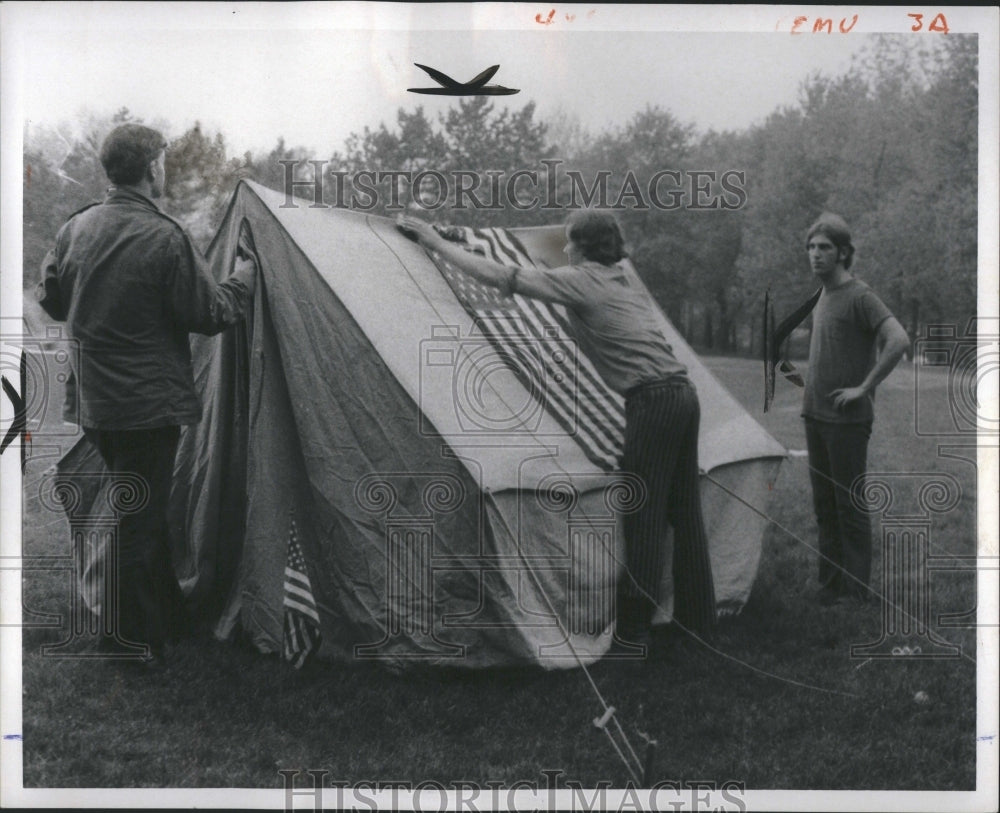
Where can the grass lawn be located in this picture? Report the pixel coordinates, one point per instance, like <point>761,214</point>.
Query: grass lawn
<point>780,705</point>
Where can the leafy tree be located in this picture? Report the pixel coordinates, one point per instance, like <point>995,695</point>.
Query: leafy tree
<point>270,170</point>
<point>661,243</point>
<point>200,182</point>
<point>567,134</point>
<point>892,145</point>
<point>472,139</point>
<point>414,148</point>
<point>62,173</point>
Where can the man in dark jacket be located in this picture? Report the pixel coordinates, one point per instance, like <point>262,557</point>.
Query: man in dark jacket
<point>131,286</point>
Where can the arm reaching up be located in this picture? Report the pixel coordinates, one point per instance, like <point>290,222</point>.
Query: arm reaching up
<point>475,265</point>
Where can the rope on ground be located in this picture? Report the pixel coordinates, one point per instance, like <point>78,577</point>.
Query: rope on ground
<point>634,767</point>
<point>801,541</point>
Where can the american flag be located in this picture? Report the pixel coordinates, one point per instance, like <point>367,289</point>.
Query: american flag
<point>533,339</point>
<point>301,618</point>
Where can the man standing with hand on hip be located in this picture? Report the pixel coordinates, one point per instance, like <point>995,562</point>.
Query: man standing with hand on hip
<point>856,342</point>
<point>131,286</point>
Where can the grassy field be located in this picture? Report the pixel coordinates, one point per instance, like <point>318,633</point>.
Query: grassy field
<point>780,705</point>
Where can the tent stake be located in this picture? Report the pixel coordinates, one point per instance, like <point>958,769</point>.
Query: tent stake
<point>609,711</point>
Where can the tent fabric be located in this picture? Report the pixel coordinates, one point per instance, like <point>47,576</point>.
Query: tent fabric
<point>424,542</point>
<point>537,342</point>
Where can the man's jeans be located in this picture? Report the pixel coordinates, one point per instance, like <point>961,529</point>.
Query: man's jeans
<point>838,456</point>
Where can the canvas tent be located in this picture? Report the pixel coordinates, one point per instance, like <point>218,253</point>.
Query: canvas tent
<point>359,432</point>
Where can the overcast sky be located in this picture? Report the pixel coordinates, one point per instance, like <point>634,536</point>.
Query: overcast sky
<point>298,77</point>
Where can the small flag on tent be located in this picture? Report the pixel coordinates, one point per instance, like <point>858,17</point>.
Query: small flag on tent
<point>301,618</point>
<point>573,393</point>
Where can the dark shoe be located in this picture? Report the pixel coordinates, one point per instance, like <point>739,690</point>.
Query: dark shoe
<point>830,596</point>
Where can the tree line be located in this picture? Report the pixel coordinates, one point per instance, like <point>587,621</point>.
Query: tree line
<point>713,219</point>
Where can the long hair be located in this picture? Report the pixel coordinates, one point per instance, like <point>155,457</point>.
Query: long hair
<point>834,227</point>
<point>598,236</point>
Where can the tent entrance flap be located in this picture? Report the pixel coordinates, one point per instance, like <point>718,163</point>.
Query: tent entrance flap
<point>335,474</point>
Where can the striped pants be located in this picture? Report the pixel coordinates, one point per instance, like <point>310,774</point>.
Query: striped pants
<point>661,447</point>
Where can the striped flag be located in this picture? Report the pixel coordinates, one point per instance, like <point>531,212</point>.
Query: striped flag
<point>533,339</point>
<point>302,634</point>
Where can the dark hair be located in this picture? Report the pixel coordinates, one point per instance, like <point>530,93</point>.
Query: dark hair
<point>598,236</point>
<point>835,228</point>
<point>128,150</point>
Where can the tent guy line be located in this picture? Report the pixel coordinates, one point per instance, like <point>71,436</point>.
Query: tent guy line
<point>609,711</point>
<point>932,547</point>
<point>611,553</point>
<point>798,539</point>
<point>336,287</point>
<point>396,568</point>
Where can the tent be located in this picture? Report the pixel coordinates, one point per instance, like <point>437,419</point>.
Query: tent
<point>374,478</point>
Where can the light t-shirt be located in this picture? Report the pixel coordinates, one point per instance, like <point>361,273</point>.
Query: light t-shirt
<point>614,319</point>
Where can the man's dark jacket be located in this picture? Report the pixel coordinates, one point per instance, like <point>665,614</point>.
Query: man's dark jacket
<point>130,286</point>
